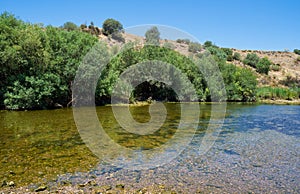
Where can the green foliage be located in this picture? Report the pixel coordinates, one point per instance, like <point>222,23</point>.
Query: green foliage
<point>237,56</point>
<point>218,53</point>
<point>194,47</point>
<point>278,93</point>
<point>240,83</point>
<point>83,26</point>
<point>38,64</point>
<point>207,44</point>
<point>111,26</point>
<point>69,26</point>
<point>154,89</point>
<point>263,65</point>
<point>251,59</point>
<point>297,51</point>
<point>118,36</point>
<point>275,67</point>
<point>152,36</point>
<point>34,92</point>
<point>228,52</point>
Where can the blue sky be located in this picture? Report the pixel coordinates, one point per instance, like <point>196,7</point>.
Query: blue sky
<point>242,24</point>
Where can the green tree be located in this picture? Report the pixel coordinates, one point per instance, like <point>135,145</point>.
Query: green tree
<point>111,26</point>
<point>240,83</point>
<point>69,26</point>
<point>37,63</point>
<point>263,65</point>
<point>297,51</point>
<point>208,44</point>
<point>152,36</point>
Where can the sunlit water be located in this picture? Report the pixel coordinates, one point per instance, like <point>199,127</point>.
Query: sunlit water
<point>256,151</point>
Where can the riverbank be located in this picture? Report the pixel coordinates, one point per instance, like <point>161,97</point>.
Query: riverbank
<point>280,102</point>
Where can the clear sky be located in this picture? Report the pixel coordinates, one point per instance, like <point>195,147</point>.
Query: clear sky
<point>242,24</point>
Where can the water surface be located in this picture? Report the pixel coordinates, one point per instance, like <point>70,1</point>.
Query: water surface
<point>256,151</point>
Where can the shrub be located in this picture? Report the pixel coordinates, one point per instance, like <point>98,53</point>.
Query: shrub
<point>169,45</point>
<point>275,67</point>
<point>263,66</point>
<point>219,54</point>
<point>297,51</point>
<point>118,36</point>
<point>208,44</point>
<point>251,59</point>
<point>237,56</point>
<point>228,52</point>
<point>83,26</point>
<point>152,36</point>
<point>194,47</point>
<point>69,26</point>
<point>111,26</point>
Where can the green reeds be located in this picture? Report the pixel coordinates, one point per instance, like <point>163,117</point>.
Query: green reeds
<point>278,93</point>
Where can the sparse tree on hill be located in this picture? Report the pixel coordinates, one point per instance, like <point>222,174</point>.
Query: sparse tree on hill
<point>111,26</point>
<point>70,26</point>
<point>152,36</point>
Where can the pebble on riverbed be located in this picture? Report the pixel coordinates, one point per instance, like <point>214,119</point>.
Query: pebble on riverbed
<point>41,188</point>
<point>11,184</point>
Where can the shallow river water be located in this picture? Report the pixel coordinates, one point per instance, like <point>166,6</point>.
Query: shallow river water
<point>257,150</point>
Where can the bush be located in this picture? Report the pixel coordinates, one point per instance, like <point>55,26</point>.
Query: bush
<point>263,66</point>
<point>228,52</point>
<point>111,26</point>
<point>297,51</point>
<point>237,56</point>
<point>219,54</point>
<point>83,26</point>
<point>118,36</point>
<point>251,59</point>
<point>152,36</point>
<point>275,67</point>
<point>240,83</point>
<point>194,47</point>
<point>169,45</point>
<point>208,44</point>
<point>69,26</point>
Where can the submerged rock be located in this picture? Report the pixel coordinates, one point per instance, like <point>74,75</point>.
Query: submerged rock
<point>41,188</point>
<point>120,186</point>
<point>11,184</point>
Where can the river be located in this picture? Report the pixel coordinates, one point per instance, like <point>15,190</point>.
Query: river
<point>256,150</point>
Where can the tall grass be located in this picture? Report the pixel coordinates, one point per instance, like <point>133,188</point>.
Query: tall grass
<point>278,93</point>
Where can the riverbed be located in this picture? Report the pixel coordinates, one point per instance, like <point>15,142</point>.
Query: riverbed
<point>256,151</point>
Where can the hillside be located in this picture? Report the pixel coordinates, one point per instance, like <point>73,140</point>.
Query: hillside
<point>288,63</point>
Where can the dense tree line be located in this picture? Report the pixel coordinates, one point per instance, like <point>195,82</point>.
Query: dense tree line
<point>38,66</point>
<point>38,63</point>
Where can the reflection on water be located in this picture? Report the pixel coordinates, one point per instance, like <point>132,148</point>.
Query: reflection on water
<point>256,151</point>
